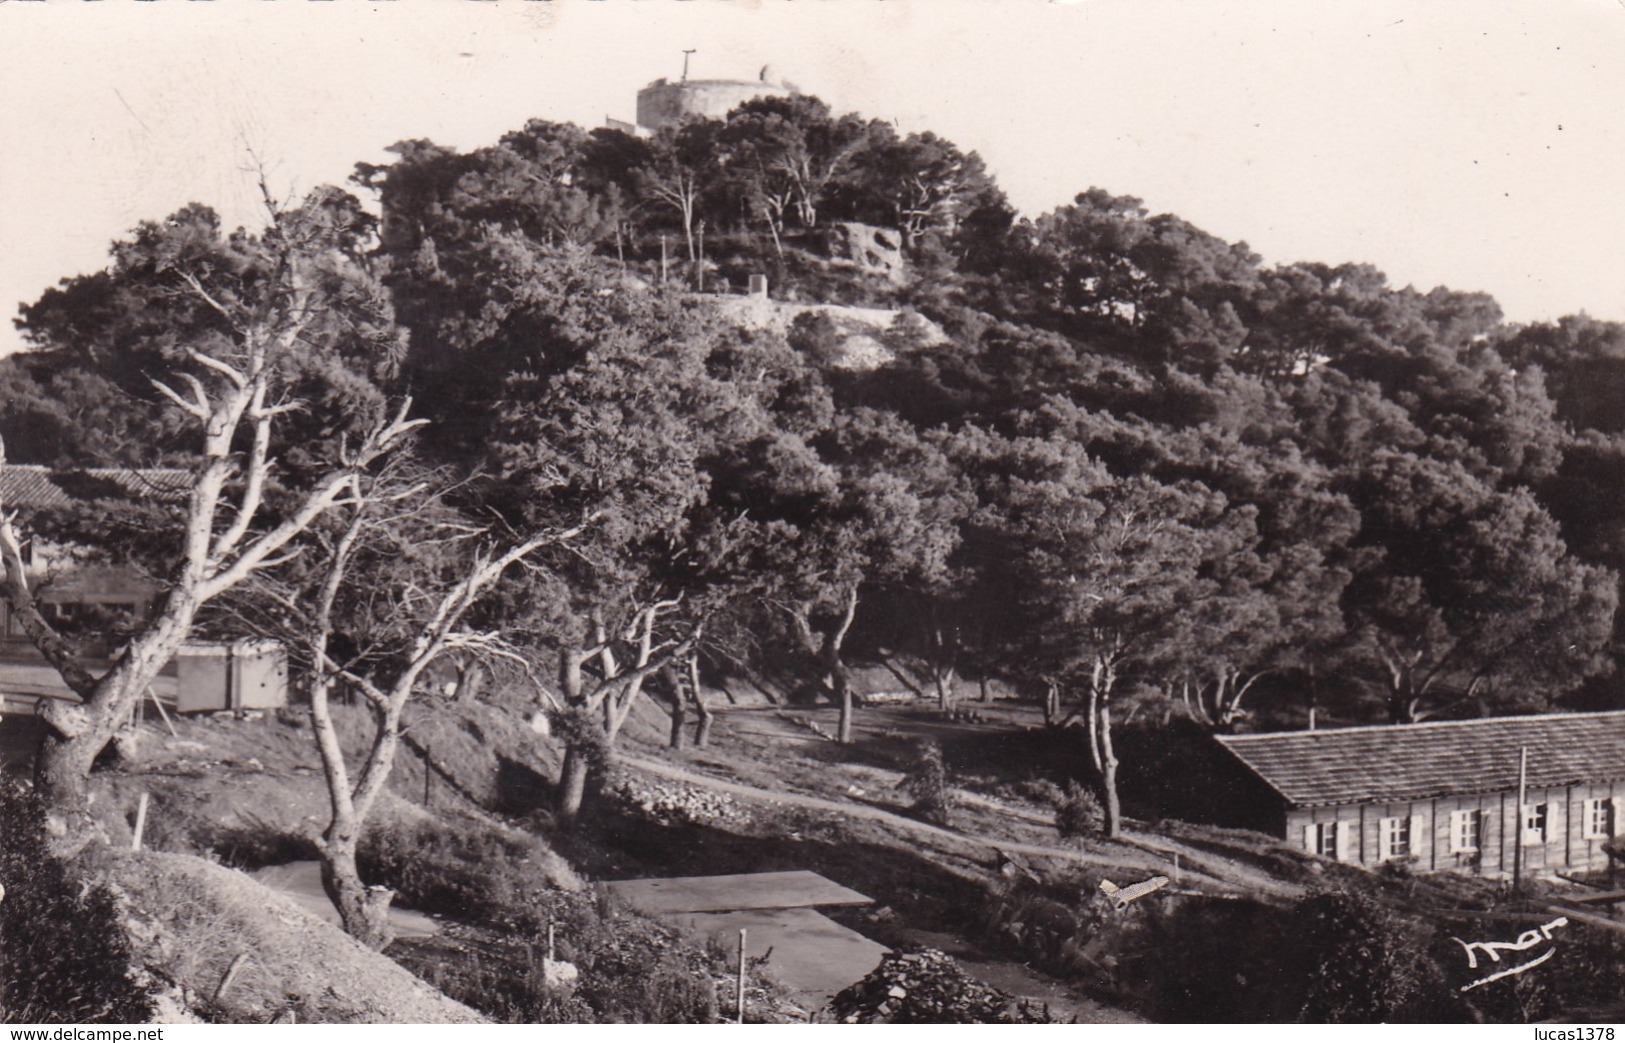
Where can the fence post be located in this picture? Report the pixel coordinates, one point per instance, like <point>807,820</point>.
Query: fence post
<point>739,992</point>
<point>140,822</point>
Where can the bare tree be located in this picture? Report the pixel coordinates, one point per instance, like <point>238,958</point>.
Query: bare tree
<point>419,609</point>
<point>679,172</point>
<point>233,385</point>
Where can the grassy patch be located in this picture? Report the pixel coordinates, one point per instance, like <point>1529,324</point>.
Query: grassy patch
<point>501,888</point>
<point>629,969</point>
<point>460,867</point>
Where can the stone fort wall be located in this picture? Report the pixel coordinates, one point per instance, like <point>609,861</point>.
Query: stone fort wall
<point>661,103</point>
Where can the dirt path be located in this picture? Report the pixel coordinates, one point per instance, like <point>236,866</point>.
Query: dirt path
<point>1238,874</point>
<point>1228,870</point>
<point>1198,866</point>
<point>1143,853</point>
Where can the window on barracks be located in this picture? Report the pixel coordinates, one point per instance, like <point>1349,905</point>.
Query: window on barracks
<point>1599,820</point>
<point>1534,823</point>
<point>1466,829</point>
<point>1396,837</point>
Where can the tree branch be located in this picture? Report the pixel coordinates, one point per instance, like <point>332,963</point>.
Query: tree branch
<point>237,377</point>
<point>197,407</point>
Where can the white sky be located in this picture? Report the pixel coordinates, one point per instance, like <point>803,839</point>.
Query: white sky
<point>1474,143</point>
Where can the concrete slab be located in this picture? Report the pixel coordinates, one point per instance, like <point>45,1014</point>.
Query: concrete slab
<point>711,894</point>
<point>809,953</point>
<point>302,882</point>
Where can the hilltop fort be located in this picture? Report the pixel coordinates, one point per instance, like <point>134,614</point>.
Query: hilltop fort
<point>663,103</point>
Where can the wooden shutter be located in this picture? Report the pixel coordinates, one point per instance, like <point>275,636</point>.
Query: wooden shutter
<point>1309,838</point>
<point>1415,837</point>
<point>1345,840</point>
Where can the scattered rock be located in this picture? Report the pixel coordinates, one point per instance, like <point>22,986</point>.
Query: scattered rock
<point>928,988</point>
<point>672,803</point>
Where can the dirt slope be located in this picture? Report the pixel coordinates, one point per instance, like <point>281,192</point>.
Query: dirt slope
<point>1202,868</point>
<point>190,919</point>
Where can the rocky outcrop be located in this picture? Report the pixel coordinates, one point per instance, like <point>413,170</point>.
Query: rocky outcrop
<point>877,251</point>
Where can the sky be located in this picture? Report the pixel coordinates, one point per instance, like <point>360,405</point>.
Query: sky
<point>1478,144</point>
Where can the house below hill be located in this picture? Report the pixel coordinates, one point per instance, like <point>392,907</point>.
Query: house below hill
<point>79,592</point>
<point>93,601</point>
<point>1440,795</point>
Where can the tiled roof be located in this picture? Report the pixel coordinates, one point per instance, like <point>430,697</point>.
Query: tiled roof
<point>23,485</point>
<point>1394,763</point>
<point>38,488</point>
<point>143,483</point>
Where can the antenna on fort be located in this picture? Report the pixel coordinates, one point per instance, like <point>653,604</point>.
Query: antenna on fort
<point>686,53</point>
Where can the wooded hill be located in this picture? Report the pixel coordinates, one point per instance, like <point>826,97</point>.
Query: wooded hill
<point>1145,474</point>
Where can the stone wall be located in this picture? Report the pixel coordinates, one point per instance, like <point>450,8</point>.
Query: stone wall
<point>663,103</point>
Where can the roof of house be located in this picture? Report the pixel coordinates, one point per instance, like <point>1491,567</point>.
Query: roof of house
<point>25,485</point>
<point>40,488</point>
<point>1388,764</point>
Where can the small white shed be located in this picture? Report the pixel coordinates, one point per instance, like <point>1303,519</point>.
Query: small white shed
<point>238,675</point>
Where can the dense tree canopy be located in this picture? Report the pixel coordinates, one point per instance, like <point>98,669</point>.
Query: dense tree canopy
<point>1142,468</point>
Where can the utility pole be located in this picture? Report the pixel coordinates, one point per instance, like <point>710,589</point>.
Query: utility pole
<point>1517,840</point>
<point>685,63</point>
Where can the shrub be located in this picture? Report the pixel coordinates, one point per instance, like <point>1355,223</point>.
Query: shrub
<point>815,335</point>
<point>632,970</point>
<point>927,782</point>
<point>1078,814</point>
<point>1040,791</point>
<point>467,871</point>
<point>1367,964</point>
<point>63,954</point>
